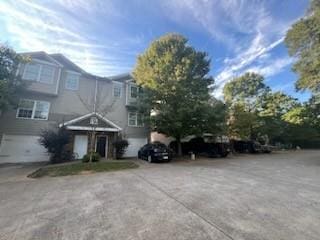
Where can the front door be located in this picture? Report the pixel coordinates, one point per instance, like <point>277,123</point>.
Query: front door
<point>101,145</point>
<point>80,145</point>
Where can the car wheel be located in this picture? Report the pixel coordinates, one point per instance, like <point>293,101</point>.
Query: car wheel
<point>149,159</point>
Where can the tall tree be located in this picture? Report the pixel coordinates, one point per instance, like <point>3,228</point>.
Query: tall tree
<point>10,83</point>
<point>245,89</point>
<point>242,123</point>
<point>275,104</point>
<point>243,94</point>
<point>175,82</point>
<point>303,42</point>
<point>272,107</point>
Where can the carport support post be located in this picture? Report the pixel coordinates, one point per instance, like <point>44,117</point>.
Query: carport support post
<point>179,149</point>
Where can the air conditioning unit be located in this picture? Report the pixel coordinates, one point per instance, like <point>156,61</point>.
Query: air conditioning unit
<point>94,121</point>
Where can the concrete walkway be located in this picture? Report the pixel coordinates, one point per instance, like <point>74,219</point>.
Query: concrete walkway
<point>254,197</point>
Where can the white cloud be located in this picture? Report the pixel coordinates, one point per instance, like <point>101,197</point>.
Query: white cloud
<point>85,31</point>
<point>273,67</point>
<point>66,27</point>
<point>268,67</point>
<point>247,28</point>
<point>238,64</point>
<point>220,19</point>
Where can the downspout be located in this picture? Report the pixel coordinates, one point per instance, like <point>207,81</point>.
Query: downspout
<point>58,81</point>
<point>95,97</point>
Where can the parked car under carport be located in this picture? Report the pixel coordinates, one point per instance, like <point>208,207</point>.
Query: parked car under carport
<point>242,146</point>
<point>199,146</point>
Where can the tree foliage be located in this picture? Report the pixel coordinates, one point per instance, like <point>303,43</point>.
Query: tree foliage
<point>246,89</point>
<point>10,84</point>
<point>255,112</point>
<point>243,96</point>
<point>242,123</point>
<point>175,82</point>
<point>295,115</point>
<point>57,143</point>
<point>303,42</point>
<point>120,146</point>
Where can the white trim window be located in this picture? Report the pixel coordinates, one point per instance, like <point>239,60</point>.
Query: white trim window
<point>134,90</point>
<point>47,74</point>
<point>72,81</point>
<point>31,72</point>
<point>39,73</point>
<point>117,90</point>
<point>32,109</point>
<point>135,119</point>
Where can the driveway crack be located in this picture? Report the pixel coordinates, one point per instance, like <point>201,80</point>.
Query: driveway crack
<point>212,224</point>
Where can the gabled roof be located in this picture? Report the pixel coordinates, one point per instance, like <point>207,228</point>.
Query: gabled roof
<point>66,62</point>
<point>69,65</point>
<point>62,61</point>
<point>121,77</point>
<point>74,124</point>
<point>42,56</point>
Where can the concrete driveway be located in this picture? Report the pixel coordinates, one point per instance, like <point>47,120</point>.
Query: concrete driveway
<point>254,197</point>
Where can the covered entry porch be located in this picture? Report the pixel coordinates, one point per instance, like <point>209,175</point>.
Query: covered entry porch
<point>92,132</point>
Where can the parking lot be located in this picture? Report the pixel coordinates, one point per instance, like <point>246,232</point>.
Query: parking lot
<point>266,196</point>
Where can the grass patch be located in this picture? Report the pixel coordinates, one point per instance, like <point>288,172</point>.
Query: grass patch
<point>81,168</point>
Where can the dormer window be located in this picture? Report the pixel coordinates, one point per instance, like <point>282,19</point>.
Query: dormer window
<point>47,73</point>
<point>31,72</point>
<point>72,81</point>
<point>38,73</point>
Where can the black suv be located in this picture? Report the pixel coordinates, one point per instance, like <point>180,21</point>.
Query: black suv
<point>155,151</point>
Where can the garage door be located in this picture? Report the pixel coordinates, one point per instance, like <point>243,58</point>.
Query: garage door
<point>134,145</point>
<point>80,146</point>
<point>16,148</point>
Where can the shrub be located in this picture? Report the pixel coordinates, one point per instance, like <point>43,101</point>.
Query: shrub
<point>57,144</point>
<point>95,157</point>
<point>120,146</point>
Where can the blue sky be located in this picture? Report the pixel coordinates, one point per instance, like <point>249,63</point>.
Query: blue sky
<point>105,37</point>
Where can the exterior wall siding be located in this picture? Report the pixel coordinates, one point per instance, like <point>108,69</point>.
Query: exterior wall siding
<point>69,104</point>
<point>66,105</point>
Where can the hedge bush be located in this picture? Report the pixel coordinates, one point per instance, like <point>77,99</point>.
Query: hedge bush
<point>56,141</point>
<point>95,157</point>
<point>120,146</point>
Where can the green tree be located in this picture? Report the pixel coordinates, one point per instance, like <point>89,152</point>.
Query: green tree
<point>10,83</point>
<point>275,104</point>
<point>242,123</point>
<point>245,89</point>
<point>295,115</point>
<point>313,111</point>
<point>272,107</point>
<point>257,113</point>
<point>303,42</point>
<point>175,82</point>
<point>243,96</point>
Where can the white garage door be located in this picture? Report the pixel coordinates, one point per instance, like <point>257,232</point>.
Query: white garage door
<point>16,148</point>
<point>80,146</point>
<point>134,145</point>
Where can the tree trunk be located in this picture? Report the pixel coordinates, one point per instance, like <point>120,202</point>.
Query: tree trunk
<point>179,147</point>
<point>251,133</point>
<point>92,145</point>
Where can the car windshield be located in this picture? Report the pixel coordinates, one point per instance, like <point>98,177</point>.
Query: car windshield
<point>160,146</point>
